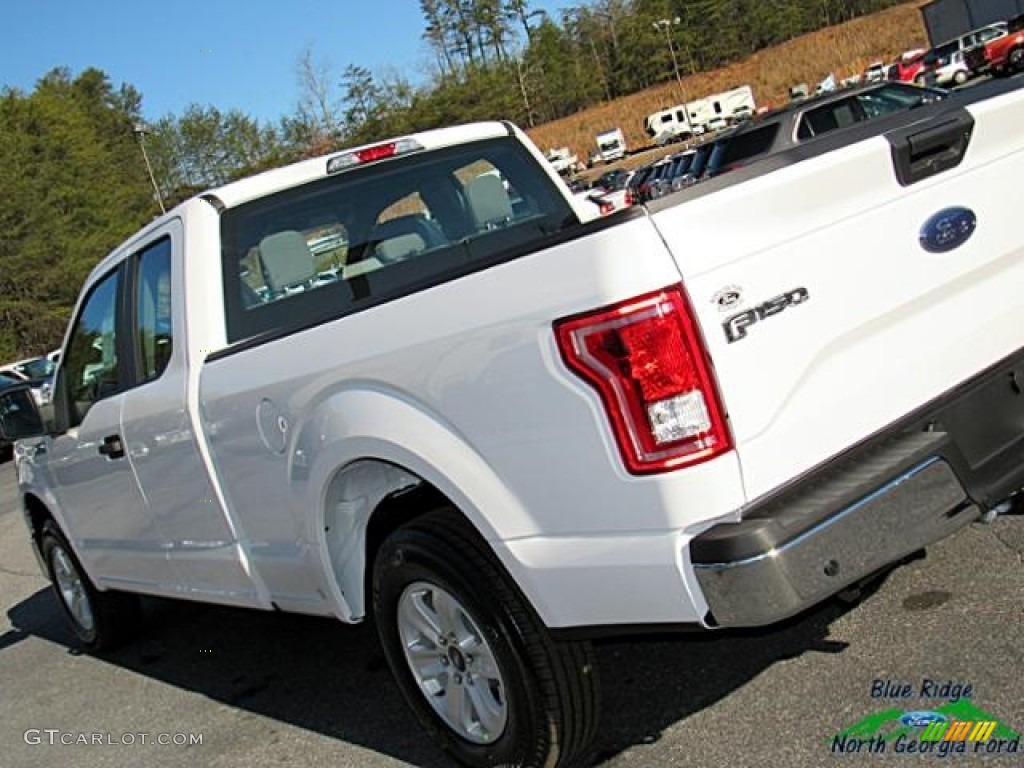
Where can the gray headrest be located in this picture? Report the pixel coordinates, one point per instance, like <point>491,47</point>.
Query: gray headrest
<point>287,260</point>
<point>488,201</point>
<point>398,248</point>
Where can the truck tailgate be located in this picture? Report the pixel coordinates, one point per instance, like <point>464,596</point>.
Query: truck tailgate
<point>826,317</point>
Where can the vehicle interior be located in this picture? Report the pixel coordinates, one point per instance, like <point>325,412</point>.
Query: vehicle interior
<point>385,228</point>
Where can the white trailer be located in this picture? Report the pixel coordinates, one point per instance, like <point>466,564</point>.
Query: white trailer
<point>611,145</point>
<point>563,161</point>
<point>733,105</point>
<point>684,121</point>
<point>673,124</point>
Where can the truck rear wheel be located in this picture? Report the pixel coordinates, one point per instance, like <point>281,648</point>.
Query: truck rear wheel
<point>473,661</point>
<point>100,620</point>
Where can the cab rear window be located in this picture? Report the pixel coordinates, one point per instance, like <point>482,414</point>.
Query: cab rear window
<point>378,232</point>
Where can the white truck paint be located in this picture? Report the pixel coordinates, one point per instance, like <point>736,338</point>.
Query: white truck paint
<point>534,428</point>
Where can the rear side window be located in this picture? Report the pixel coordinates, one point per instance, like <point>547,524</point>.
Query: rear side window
<point>831,117</point>
<point>153,327</point>
<point>333,246</point>
<point>745,146</point>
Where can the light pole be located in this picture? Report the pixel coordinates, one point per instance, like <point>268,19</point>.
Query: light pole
<point>140,131</point>
<point>665,25</point>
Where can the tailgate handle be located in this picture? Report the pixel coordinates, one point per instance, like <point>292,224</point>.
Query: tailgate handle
<point>918,153</point>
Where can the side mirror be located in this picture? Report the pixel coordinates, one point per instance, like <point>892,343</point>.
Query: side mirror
<point>19,416</point>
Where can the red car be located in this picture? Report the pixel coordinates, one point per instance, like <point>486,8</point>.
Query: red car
<point>1003,55</point>
<point>909,68</point>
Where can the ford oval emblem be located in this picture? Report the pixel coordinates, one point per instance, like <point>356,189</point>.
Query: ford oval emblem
<point>921,719</point>
<point>948,229</point>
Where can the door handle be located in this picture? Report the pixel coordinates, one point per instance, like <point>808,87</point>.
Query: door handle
<point>112,447</point>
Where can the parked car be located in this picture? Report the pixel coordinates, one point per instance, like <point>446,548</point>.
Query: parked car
<point>36,372</point>
<point>7,381</point>
<point>907,68</point>
<point>875,72</point>
<point>952,70</point>
<point>611,190</point>
<point>1000,55</point>
<point>610,180</point>
<point>939,66</point>
<point>680,165</point>
<point>659,183</point>
<point>637,188</point>
<point>808,119</point>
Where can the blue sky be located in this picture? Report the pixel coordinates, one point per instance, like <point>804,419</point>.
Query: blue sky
<point>226,53</point>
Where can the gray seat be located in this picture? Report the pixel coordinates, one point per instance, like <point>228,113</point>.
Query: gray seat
<point>404,236</point>
<point>287,262</point>
<point>488,202</point>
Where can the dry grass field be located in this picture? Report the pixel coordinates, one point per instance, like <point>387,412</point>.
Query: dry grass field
<point>844,49</point>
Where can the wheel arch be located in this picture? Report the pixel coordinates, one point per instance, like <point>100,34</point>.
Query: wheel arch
<point>36,514</point>
<point>373,460</point>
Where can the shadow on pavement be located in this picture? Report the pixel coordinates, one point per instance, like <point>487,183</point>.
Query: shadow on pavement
<point>330,678</point>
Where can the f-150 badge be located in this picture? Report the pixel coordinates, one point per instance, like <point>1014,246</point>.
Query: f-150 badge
<point>736,326</point>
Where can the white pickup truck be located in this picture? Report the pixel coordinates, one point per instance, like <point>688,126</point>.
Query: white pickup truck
<point>500,431</point>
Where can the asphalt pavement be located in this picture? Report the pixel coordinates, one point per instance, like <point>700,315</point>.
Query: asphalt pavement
<point>226,687</point>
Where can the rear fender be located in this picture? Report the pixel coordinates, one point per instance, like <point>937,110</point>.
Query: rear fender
<point>360,445</point>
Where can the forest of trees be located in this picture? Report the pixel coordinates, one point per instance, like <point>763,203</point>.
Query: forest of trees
<point>72,185</point>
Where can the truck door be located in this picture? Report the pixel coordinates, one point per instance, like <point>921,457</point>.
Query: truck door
<point>158,434</point>
<point>104,513</point>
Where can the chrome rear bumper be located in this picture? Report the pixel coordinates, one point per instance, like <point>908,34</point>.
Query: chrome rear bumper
<point>918,507</point>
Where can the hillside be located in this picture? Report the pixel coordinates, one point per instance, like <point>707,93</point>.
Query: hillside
<point>844,49</point>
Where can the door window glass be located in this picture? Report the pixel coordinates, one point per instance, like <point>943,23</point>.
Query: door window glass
<point>90,368</point>
<point>153,331</point>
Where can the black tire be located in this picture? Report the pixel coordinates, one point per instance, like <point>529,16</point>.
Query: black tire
<point>548,689</point>
<point>1015,60</point>
<point>113,617</point>
<point>960,77</point>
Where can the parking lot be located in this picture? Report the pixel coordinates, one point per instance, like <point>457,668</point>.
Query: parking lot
<point>267,690</point>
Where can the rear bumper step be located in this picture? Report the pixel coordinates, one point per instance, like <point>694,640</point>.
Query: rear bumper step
<point>916,482</point>
<point>914,509</point>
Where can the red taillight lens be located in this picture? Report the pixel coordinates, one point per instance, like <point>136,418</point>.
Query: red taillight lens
<point>629,197</point>
<point>646,359</point>
<point>378,152</point>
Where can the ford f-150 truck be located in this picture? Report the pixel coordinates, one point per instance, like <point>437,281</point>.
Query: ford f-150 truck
<point>501,431</point>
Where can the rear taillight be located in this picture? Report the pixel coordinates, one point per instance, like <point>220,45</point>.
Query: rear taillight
<point>630,200</point>
<point>646,359</point>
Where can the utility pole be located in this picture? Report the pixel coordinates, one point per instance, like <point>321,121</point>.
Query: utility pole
<point>665,25</point>
<point>140,131</point>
